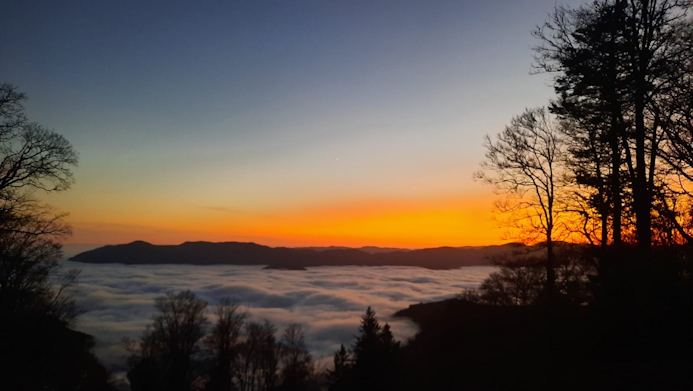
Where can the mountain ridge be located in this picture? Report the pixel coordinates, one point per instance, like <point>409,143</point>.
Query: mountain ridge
<point>249,253</point>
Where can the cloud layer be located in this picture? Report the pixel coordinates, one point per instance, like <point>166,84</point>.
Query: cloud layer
<point>118,300</point>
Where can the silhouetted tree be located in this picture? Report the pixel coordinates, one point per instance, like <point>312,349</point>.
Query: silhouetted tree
<point>523,163</point>
<point>520,280</point>
<point>375,355</point>
<point>389,351</point>
<point>257,369</point>
<point>618,64</point>
<point>592,94</point>
<point>180,324</point>
<point>678,151</point>
<point>338,378</point>
<point>366,346</point>
<point>145,363</point>
<point>32,159</point>
<point>224,341</point>
<point>469,295</point>
<point>297,363</point>
<point>164,354</point>
<point>39,350</point>
<point>517,283</point>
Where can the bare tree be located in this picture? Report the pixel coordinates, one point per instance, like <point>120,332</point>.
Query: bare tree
<point>11,109</point>
<point>164,354</point>
<point>522,163</point>
<point>258,358</point>
<point>224,341</point>
<point>515,284</point>
<point>180,324</point>
<point>297,363</point>
<point>32,159</point>
<point>678,150</point>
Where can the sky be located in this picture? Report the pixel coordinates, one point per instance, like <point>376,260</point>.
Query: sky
<point>287,123</point>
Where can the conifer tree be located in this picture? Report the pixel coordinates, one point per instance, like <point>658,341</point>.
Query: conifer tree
<point>390,346</point>
<point>366,345</point>
<point>374,357</point>
<point>337,379</point>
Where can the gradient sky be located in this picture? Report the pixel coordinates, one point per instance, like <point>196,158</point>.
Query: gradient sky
<point>282,122</point>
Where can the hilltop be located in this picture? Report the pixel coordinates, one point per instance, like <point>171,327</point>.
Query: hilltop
<point>238,253</point>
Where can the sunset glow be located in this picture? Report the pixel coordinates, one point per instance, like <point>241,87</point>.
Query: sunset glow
<point>453,221</point>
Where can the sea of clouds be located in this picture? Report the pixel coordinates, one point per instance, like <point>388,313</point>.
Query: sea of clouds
<point>118,300</point>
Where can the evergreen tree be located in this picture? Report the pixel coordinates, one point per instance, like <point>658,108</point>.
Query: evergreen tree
<point>388,352</point>
<point>390,346</point>
<point>374,357</point>
<point>337,379</point>
<point>365,349</point>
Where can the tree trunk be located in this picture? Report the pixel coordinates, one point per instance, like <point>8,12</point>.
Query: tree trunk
<point>640,190</point>
<point>616,184</point>
<point>550,272</point>
<point>605,227</point>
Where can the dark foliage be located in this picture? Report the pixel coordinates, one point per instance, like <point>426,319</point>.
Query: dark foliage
<point>40,353</point>
<point>375,359</point>
<point>634,334</point>
<point>338,377</point>
<point>521,279</point>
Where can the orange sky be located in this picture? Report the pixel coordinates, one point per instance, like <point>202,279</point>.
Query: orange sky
<point>435,221</point>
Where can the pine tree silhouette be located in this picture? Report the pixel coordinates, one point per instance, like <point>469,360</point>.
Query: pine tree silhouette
<point>388,351</point>
<point>337,379</point>
<point>365,349</point>
<point>374,355</point>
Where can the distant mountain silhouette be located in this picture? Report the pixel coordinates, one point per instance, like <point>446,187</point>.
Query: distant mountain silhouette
<point>236,253</point>
<point>366,249</point>
<point>70,250</point>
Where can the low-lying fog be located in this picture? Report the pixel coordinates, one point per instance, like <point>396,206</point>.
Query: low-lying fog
<point>118,300</point>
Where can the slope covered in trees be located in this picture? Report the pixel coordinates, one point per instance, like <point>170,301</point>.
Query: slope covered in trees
<point>636,344</point>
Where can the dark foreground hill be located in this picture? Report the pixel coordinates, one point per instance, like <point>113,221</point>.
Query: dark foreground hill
<point>465,345</point>
<point>235,253</point>
<point>40,353</point>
